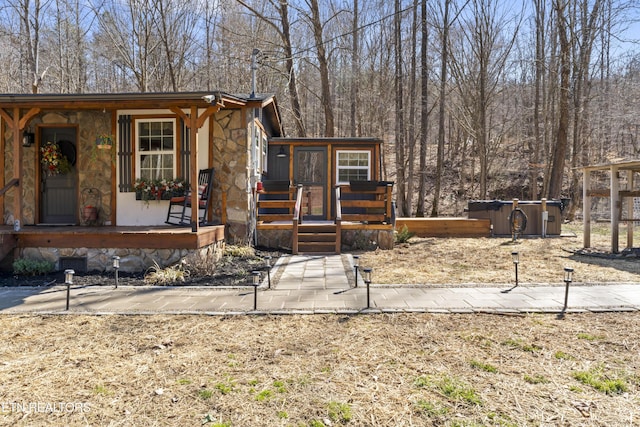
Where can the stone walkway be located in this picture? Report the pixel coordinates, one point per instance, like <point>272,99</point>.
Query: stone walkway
<point>317,284</point>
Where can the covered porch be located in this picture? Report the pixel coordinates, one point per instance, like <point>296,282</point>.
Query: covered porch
<point>92,248</point>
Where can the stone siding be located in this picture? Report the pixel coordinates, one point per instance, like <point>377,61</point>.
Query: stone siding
<point>131,260</point>
<point>231,162</point>
<point>93,166</point>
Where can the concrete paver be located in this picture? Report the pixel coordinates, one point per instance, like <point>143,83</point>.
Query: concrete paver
<point>319,284</point>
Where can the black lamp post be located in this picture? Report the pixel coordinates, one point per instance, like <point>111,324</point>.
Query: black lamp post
<point>267,261</point>
<point>568,278</point>
<point>256,283</point>
<point>516,259</point>
<point>366,276</point>
<point>68,280</point>
<point>116,267</point>
<point>356,260</point>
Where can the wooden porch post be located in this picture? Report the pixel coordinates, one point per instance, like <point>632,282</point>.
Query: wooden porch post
<point>16,126</point>
<point>615,209</point>
<point>630,211</point>
<point>586,208</point>
<point>193,179</point>
<point>194,123</point>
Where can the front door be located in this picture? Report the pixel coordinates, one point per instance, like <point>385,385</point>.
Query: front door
<point>58,175</point>
<point>310,171</point>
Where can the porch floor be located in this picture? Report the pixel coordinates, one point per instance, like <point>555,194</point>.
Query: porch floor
<point>131,237</point>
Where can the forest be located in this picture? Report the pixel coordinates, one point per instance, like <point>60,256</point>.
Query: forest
<point>474,99</point>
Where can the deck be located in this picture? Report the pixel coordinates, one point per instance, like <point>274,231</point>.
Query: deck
<point>147,237</point>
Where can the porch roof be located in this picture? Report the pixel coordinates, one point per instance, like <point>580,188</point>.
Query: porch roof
<point>169,100</point>
<point>124,100</point>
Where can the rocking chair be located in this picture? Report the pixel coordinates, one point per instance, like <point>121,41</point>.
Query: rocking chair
<point>180,207</point>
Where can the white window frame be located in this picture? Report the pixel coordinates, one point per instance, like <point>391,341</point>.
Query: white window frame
<point>139,153</point>
<point>258,148</point>
<point>339,168</point>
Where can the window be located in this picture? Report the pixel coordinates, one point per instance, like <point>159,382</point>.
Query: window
<point>353,166</point>
<point>155,149</point>
<point>259,148</point>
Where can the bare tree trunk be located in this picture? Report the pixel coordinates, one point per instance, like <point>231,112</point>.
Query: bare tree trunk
<point>560,149</point>
<point>325,88</point>
<point>444,58</point>
<point>411,136</point>
<point>401,199</point>
<point>292,84</point>
<point>582,85</point>
<point>284,31</point>
<point>539,75</point>
<point>355,71</point>
<point>30,17</point>
<point>424,112</point>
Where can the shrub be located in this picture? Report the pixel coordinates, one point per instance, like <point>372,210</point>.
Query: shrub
<point>165,276</point>
<point>403,235</point>
<point>32,267</point>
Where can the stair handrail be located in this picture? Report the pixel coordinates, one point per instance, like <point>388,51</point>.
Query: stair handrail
<point>338,205</point>
<point>13,183</point>
<point>297,219</point>
<point>338,220</point>
<point>298,207</point>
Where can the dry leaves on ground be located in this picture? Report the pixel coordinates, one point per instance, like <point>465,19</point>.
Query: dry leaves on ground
<point>488,262</point>
<point>362,370</point>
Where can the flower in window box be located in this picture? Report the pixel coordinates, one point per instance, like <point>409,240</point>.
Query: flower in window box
<point>158,189</point>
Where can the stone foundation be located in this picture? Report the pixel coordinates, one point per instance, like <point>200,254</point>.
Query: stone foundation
<point>351,239</point>
<point>367,239</point>
<point>131,260</point>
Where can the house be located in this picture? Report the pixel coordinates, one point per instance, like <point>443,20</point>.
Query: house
<point>73,163</point>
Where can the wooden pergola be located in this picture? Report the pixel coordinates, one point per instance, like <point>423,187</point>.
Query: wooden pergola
<point>618,172</point>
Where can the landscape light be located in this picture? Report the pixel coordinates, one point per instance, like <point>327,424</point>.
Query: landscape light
<point>356,260</point>
<point>116,267</point>
<point>366,276</point>
<point>68,280</point>
<point>267,261</point>
<point>516,259</point>
<point>568,274</point>
<point>256,283</point>
<point>568,278</point>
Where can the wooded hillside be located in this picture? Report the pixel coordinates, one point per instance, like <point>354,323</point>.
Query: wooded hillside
<point>474,99</point>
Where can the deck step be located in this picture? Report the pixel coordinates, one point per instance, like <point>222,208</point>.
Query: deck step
<point>317,238</point>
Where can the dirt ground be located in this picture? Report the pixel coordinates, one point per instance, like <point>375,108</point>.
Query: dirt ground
<point>333,370</point>
<point>488,261</point>
<point>362,370</point>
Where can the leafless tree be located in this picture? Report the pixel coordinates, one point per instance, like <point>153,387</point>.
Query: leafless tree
<point>560,148</point>
<point>424,110</point>
<point>282,26</point>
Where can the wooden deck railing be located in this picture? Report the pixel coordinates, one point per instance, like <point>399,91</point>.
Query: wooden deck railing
<point>276,205</point>
<point>373,204</point>
<point>338,221</point>
<point>297,219</point>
